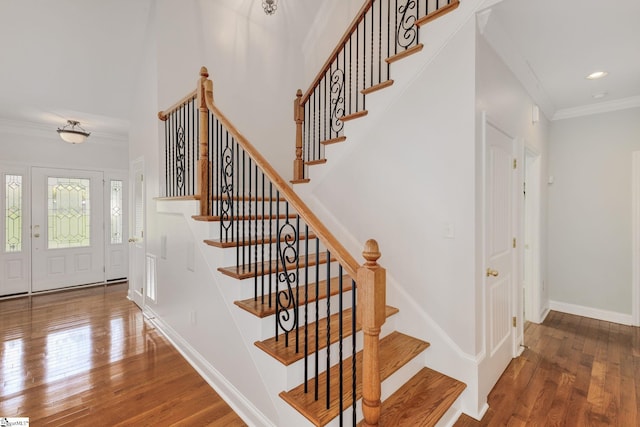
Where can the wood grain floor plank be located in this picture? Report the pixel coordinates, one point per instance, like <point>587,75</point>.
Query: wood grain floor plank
<point>87,357</point>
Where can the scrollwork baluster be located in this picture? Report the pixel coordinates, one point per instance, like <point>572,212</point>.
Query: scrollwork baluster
<point>407,33</point>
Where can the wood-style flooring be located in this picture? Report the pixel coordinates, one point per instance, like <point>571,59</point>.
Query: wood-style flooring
<point>576,371</point>
<point>87,357</point>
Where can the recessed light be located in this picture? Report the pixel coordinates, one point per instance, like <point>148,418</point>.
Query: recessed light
<point>597,75</point>
<point>599,95</point>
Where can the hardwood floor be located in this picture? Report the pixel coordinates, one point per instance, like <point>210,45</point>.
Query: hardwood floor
<point>576,372</point>
<point>87,357</point>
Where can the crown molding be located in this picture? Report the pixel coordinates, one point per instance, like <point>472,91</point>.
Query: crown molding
<point>599,108</point>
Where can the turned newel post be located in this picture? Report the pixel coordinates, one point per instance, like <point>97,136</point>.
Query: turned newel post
<point>203,161</point>
<point>371,315</point>
<point>298,116</point>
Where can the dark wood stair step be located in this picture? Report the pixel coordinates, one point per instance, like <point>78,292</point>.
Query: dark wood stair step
<point>216,218</point>
<point>247,271</point>
<point>421,401</point>
<point>288,355</point>
<point>396,350</point>
<point>260,308</point>
<point>219,243</point>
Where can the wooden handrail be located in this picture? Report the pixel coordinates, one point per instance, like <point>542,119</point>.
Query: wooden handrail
<point>354,24</point>
<point>343,256</point>
<point>164,115</point>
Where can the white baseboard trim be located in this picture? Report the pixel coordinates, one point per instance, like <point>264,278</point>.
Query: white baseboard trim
<point>594,313</point>
<point>243,407</point>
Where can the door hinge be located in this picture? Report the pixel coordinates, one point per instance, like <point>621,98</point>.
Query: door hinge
<point>514,242</point>
<point>515,163</point>
<point>514,321</point>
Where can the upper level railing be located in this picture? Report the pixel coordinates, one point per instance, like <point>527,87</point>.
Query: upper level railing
<point>280,244</point>
<point>382,32</point>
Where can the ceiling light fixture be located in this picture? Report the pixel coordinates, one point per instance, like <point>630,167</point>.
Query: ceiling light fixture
<point>270,6</point>
<point>75,135</point>
<point>596,75</point>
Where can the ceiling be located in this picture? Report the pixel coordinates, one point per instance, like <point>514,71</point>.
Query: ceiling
<point>561,42</point>
<point>79,59</point>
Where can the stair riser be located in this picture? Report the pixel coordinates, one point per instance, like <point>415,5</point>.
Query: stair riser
<point>268,251</point>
<point>247,286</point>
<point>267,323</point>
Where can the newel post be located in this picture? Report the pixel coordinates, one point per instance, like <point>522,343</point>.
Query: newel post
<point>298,116</point>
<point>203,161</point>
<point>371,314</point>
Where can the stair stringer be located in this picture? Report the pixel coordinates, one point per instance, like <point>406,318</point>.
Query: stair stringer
<point>434,36</point>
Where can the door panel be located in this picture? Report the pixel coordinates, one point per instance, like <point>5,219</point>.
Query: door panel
<point>499,251</point>
<point>116,245</point>
<point>67,232</point>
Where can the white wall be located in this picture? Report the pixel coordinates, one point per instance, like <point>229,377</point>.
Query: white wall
<point>590,210</point>
<point>507,104</point>
<point>42,147</point>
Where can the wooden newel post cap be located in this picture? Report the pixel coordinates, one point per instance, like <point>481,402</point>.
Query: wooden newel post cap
<point>204,72</point>
<point>371,253</point>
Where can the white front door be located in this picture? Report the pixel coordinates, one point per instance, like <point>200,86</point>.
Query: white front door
<point>15,250</point>
<point>67,228</point>
<point>136,239</point>
<point>499,267</point>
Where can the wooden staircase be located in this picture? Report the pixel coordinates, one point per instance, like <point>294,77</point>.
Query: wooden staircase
<point>420,401</point>
<point>305,138</point>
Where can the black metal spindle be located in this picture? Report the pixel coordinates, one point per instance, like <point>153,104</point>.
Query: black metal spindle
<point>270,246</point>
<point>340,336</point>
<point>296,303</point>
<point>353,349</point>
<point>328,362</point>
<point>380,41</point>
<point>278,265</point>
<point>317,319</point>
<point>262,251</point>
<point>306,308</point>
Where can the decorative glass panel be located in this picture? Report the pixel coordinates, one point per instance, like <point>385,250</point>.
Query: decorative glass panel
<point>13,214</point>
<point>69,213</point>
<point>116,212</point>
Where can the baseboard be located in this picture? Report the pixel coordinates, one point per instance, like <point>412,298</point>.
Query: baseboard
<point>243,407</point>
<point>594,313</point>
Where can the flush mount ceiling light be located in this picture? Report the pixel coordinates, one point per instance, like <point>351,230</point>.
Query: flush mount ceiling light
<point>269,6</point>
<point>596,75</point>
<point>74,135</point>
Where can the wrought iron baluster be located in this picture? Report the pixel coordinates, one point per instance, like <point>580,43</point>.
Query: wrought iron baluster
<point>340,336</point>
<point>337,100</point>
<point>263,243</point>
<point>317,323</point>
<point>277,282</point>
<point>270,246</point>
<point>328,362</point>
<point>226,214</point>
<point>306,308</point>
<point>353,349</point>
<point>407,34</point>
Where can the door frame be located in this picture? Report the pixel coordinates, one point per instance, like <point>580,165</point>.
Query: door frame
<point>137,260</point>
<point>635,237</point>
<point>532,236</point>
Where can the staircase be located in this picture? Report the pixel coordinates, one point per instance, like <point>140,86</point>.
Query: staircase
<point>422,400</point>
<point>322,314</point>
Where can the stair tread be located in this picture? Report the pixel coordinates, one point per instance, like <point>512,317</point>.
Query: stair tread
<point>407,52</point>
<point>219,243</point>
<point>287,354</point>
<point>246,271</point>
<point>335,140</point>
<point>262,309</point>
<point>421,401</point>
<point>438,13</point>
<point>377,87</point>
<point>396,349</point>
<point>216,218</point>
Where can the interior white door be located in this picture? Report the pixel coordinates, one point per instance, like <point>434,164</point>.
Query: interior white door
<point>136,239</point>
<point>15,250</point>
<point>499,251</point>
<point>67,234</point>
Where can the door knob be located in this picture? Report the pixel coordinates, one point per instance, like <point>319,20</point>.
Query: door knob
<point>132,240</point>
<point>491,272</point>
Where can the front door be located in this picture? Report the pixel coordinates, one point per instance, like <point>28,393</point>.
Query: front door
<point>499,267</point>
<point>67,228</point>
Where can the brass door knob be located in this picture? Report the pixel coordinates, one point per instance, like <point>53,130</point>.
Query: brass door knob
<point>133,240</point>
<point>491,272</point>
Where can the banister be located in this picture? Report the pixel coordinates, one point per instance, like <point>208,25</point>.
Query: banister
<point>339,46</point>
<point>348,262</point>
<point>164,115</point>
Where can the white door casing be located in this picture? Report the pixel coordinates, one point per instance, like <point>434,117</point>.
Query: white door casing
<point>136,240</point>
<point>82,263</point>
<point>500,261</point>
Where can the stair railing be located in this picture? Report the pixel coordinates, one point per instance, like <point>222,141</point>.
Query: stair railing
<point>382,32</point>
<point>262,217</point>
